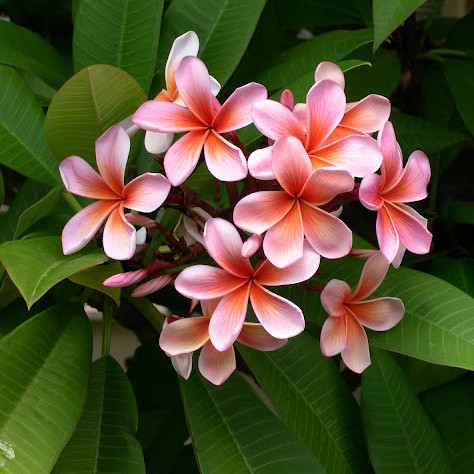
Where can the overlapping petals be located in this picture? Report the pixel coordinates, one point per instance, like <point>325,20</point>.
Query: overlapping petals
<point>343,331</point>
<point>145,193</point>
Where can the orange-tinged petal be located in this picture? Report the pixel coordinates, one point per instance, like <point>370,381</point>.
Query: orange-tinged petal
<point>369,192</point>
<point>373,273</point>
<point>254,335</point>
<point>146,192</point>
<point>392,159</point>
<point>324,184</point>
<point>387,234</point>
<point>356,353</point>
<point>333,297</point>
<point>184,335</point>
<point>368,115</point>
<point>379,314</point>
<point>331,71</point>
<point>260,164</point>
<point>333,335</point>
<point>216,366</point>
<point>120,237</point>
<point>151,286</point>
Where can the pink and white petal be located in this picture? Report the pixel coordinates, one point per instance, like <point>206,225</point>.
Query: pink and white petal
<point>225,247</point>
<point>280,317</point>
<point>80,178</point>
<point>204,282</point>
<point>166,117</point>
<point>380,314</point>
<point>235,111</point>
<point>184,335</point>
<point>283,242</point>
<point>368,115</point>
<point>260,164</point>
<point>254,335</point>
<point>208,306</point>
<point>224,160</point>
<point>194,86</point>
<point>397,261</point>
<point>269,275</point>
<point>392,159</point>
<point>121,280</point>
<point>120,237</point>
<point>358,154</point>
<point>259,211</point>
<point>286,99</point>
<point>111,151</point>
<point>333,296</point>
<point>151,286</point>
<point>333,335</point>
<point>356,353</point>
<point>387,234</point>
<point>411,185</point>
<point>320,228</point>
<point>216,366</point>
<point>369,192</point>
<point>412,233</point>
<point>372,275</point>
<point>157,143</point>
<point>183,364</point>
<point>146,192</point>
<point>299,111</point>
<point>80,229</point>
<point>181,159</point>
<point>274,120</point>
<point>228,318</point>
<point>215,86</point>
<point>251,245</point>
<point>325,106</point>
<point>331,71</point>
<point>325,184</point>
<point>291,164</point>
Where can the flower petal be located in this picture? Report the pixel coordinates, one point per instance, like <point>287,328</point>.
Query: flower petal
<point>80,178</point>
<point>121,280</point>
<point>369,195</point>
<point>151,286</point>
<point>183,364</point>
<point>280,317</point>
<point>235,111</point>
<point>380,314</point>
<point>387,234</point>
<point>392,159</point>
<point>320,229</point>
<point>204,282</point>
<point>228,318</point>
<point>225,247</point>
<point>80,229</point>
<point>182,157</point>
<point>274,120</point>
<point>111,151</point>
<point>325,184</point>
<point>368,115</point>
<point>260,164</point>
<point>120,237</point>
<point>372,275</point>
<point>157,143</point>
<point>146,192</point>
<point>333,296</point>
<point>216,366</point>
<point>331,71</point>
<point>291,164</point>
<point>224,160</point>
<point>254,335</point>
<point>184,335</point>
<point>286,99</point>
<point>356,354</point>
<point>251,245</point>
<point>333,335</point>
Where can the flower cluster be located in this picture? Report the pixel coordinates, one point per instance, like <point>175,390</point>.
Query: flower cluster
<point>319,155</point>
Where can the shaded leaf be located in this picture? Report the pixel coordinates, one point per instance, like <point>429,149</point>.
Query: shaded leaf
<point>42,91</point>
<point>12,315</point>
<point>459,211</point>
<point>457,271</point>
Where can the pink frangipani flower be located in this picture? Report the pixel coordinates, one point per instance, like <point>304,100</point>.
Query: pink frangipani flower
<point>205,120</point>
<point>144,193</point>
<point>237,281</point>
<point>180,337</point>
<point>343,331</point>
<point>288,216</point>
<point>397,225</point>
<point>325,108</point>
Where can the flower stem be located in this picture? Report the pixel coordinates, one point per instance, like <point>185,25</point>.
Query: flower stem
<point>107,325</point>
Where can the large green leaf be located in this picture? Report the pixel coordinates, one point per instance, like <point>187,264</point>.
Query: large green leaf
<point>27,50</point>
<point>104,440</point>
<point>452,409</point>
<point>311,397</point>
<point>400,435</point>
<point>224,28</point>
<point>436,326</point>
<point>122,33</point>
<point>22,145</point>
<point>88,104</point>
<point>389,14</point>
<point>457,271</point>
<point>233,431</point>
<point>35,265</point>
<point>45,370</point>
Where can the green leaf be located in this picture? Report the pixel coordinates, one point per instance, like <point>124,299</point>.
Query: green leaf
<point>303,58</point>
<point>22,145</point>
<point>8,292</point>
<point>45,370</point>
<point>42,91</point>
<point>457,271</point>
<point>104,440</point>
<point>400,435</point>
<point>121,33</point>
<point>25,49</point>
<point>302,384</point>
<point>451,408</point>
<point>94,277</point>
<point>460,77</point>
<point>2,188</point>
<point>86,106</point>
<point>12,315</point>
<point>224,28</point>
<point>35,265</point>
<point>229,425</point>
<point>389,14</point>
<point>459,211</point>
